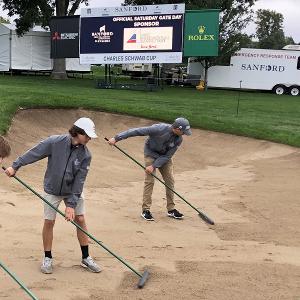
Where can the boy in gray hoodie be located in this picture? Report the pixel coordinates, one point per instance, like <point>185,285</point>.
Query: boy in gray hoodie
<point>68,164</point>
<point>160,146</point>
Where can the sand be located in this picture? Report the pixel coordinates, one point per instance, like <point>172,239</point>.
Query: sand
<point>248,187</point>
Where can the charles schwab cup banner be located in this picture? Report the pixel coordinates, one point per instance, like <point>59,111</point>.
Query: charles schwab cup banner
<point>132,34</point>
<point>64,37</point>
<point>201,32</point>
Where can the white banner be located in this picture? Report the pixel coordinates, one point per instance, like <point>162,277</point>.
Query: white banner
<point>144,38</point>
<point>131,58</point>
<point>90,12</point>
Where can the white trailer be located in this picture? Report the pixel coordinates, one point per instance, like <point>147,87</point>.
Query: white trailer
<point>259,69</point>
<point>137,69</point>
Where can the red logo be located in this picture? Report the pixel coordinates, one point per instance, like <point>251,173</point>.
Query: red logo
<point>56,36</point>
<point>132,39</point>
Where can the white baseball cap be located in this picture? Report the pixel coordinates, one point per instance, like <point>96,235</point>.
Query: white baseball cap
<point>88,126</point>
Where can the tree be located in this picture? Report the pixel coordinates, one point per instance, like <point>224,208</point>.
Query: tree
<point>31,12</point>
<point>3,20</point>
<point>269,29</point>
<point>234,17</point>
<point>289,41</point>
<point>246,41</point>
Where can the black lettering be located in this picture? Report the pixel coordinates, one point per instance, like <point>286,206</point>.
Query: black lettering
<point>249,68</point>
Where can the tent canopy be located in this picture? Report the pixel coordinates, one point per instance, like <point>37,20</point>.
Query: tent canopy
<point>30,52</point>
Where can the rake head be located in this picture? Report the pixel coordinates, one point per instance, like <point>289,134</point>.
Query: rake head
<point>206,219</point>
<point>143,279</point>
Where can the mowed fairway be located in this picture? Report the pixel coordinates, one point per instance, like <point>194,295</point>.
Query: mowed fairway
<point>261,115</point>
<point>249,187</point>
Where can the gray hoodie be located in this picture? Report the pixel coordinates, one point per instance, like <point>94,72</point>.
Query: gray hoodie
<point>161,144</point>
<point>67,166</point>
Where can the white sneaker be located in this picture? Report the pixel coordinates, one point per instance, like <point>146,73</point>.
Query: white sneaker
<point>90,265</point>
<point>46,266</point>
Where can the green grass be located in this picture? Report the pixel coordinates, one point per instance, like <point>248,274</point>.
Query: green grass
<point>261,115</point>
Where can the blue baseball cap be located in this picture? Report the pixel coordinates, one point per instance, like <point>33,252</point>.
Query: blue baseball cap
<point>184,125</point>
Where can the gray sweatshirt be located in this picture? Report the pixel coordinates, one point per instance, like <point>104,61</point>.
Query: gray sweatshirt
<point>67,166</point>
<point>161,143</point>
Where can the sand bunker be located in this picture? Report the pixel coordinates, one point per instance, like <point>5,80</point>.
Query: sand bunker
<point>250,188</point>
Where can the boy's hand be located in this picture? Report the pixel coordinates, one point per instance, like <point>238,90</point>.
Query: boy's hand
<point>112,141</point>
<point>10,171</point>
<point>70,214</point>
<point>150,169</point>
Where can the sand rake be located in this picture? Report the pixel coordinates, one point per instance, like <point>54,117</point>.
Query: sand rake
<point>201,214</point>
<point>18,281</point>
<point>143,277</point>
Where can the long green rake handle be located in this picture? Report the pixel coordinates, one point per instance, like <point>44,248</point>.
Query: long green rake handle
<point>201,214</point>
<point>18,281</point>
<point>143,277</point>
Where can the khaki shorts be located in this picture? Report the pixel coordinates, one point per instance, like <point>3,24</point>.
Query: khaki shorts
<point>50,213</point>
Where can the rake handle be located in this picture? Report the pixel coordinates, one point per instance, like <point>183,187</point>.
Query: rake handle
<point>18,281</point>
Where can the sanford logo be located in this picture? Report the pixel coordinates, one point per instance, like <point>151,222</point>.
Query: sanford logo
<point>201,36</point>
<point>130,8</point>
<point>102,36</point>
<point>268,68</point>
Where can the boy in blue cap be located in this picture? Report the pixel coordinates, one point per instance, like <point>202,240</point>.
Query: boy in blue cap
<point>162,143</point>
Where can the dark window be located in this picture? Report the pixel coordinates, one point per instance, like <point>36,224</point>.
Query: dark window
<point>298,63</point>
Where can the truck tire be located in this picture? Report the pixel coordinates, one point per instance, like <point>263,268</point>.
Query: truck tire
<point>279,89</point>
<point>294,90</point>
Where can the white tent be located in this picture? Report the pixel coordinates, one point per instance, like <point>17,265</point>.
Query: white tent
<point>31,52</point>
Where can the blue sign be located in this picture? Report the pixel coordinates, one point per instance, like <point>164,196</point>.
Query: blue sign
<point>121,39</point>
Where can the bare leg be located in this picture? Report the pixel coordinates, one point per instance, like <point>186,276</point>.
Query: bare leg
<point>82,237</point>
<point>48,234</point>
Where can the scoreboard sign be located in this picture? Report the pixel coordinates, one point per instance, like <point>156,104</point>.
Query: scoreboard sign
<point>132,34</point>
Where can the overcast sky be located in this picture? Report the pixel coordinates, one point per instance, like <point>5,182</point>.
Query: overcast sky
<point>289,8</point>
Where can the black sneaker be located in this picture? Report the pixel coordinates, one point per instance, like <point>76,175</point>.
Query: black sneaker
<point>174,213</point>
<point>146,214</point>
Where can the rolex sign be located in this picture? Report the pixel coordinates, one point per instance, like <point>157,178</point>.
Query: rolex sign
<point>201,33</point>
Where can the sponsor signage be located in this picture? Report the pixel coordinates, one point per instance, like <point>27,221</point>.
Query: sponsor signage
<point>132,10</point>
<point>201,33</point>
<point>132,34</point>
<point>258,67</point>
<point>64,37</point>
